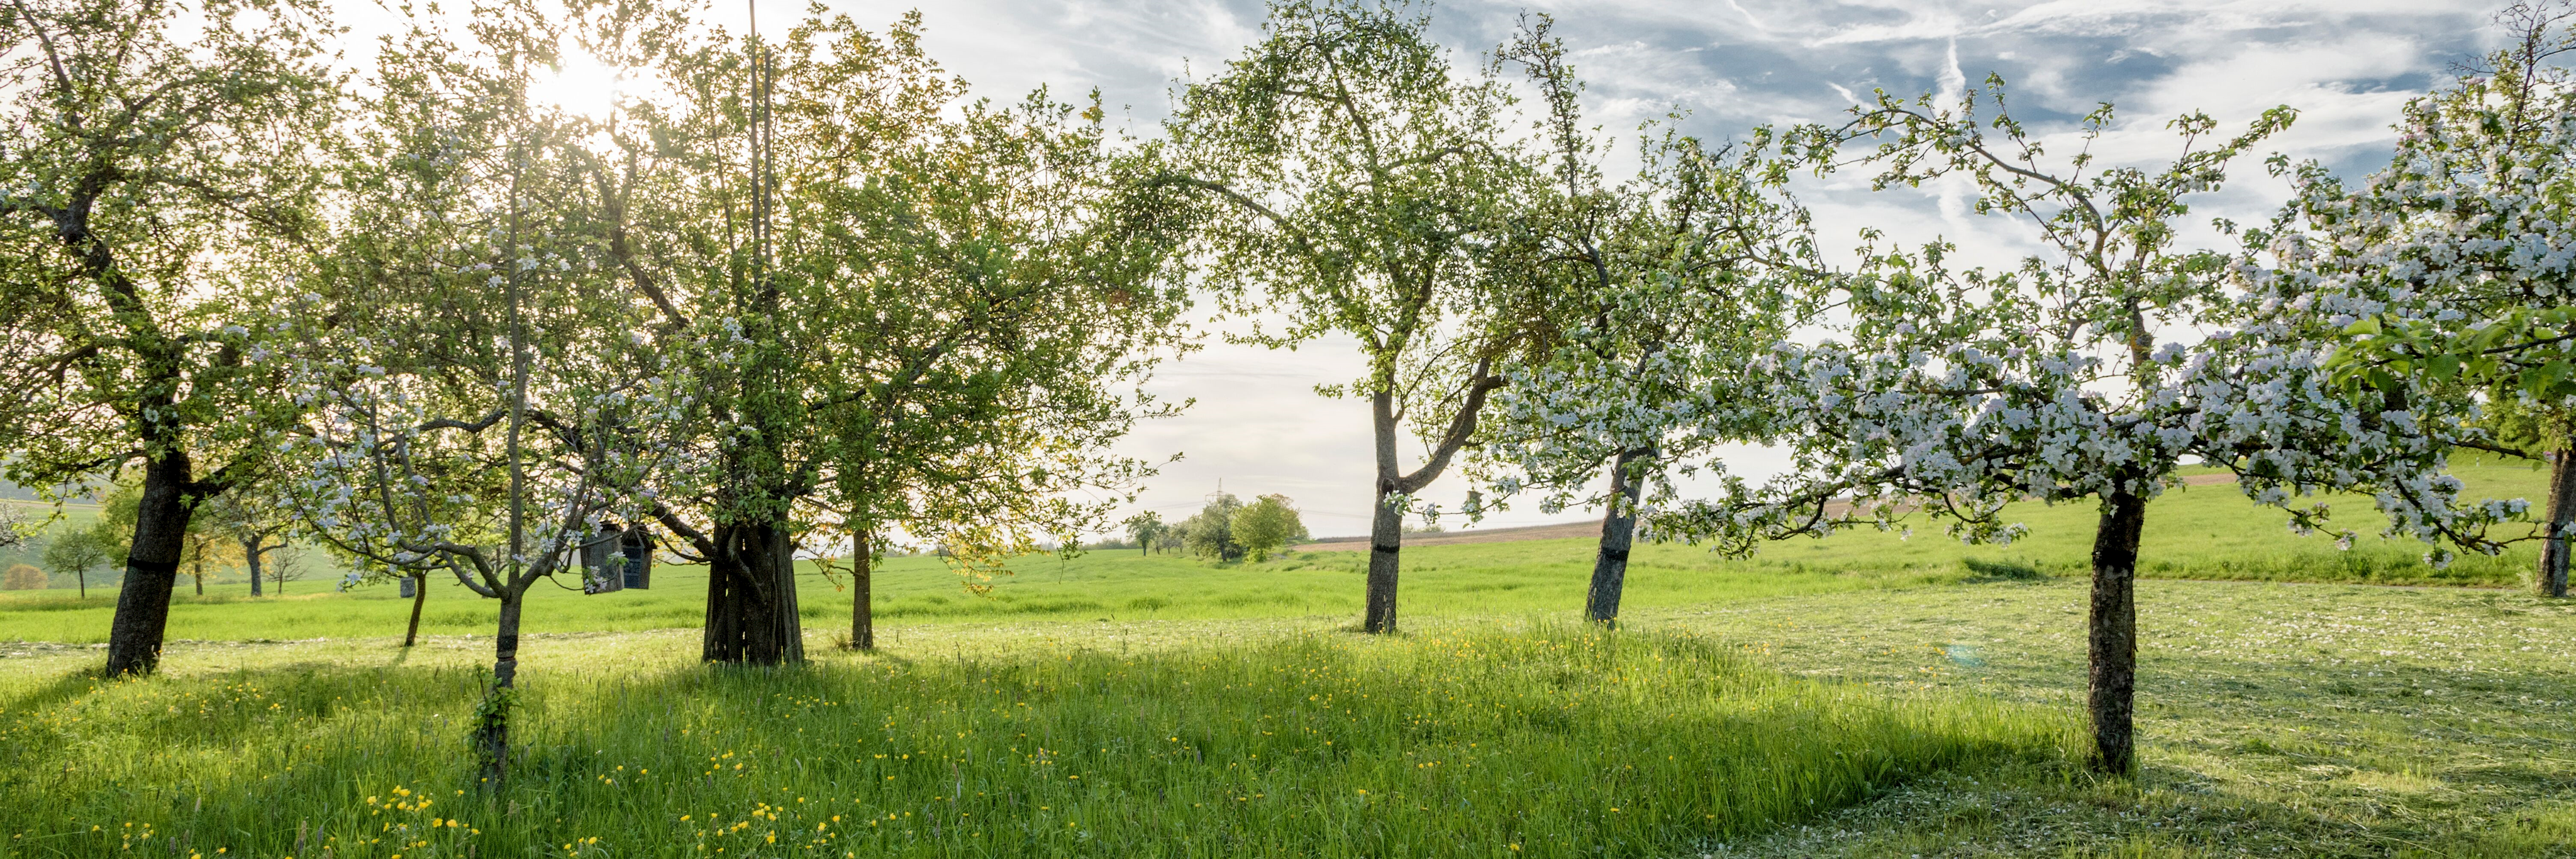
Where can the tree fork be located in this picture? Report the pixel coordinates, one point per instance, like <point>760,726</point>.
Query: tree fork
<point>2111,641</point>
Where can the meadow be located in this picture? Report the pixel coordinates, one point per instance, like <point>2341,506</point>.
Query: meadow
<point>1864,695</point>
<point>2198,532</point>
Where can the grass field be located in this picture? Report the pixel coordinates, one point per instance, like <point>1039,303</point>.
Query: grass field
<point>2275,719</point>
<point>1860,696</point>
<point>2206,532</point>
<point>1450,744</point>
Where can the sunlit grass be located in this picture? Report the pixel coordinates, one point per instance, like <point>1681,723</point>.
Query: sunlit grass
<point>1460,742</point>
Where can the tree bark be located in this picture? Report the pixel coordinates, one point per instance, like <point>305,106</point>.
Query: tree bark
<point>1386,545</point>
<point>863,621</point>
<point>751,597</point>
<point>2112,640</point>
<point>151,567</point>
<point>1618,535</point>
<point>1386,523</point>
<point>419,596</point>
<point>2551,580</point>
<point>492,728</point>
<point>250,555</point>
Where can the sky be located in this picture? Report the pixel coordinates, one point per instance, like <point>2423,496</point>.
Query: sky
<point>1257,426</point>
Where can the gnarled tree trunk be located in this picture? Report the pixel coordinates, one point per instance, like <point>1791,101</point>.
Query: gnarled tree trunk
<point>151,567</point>
<point>492,726</point>
<point>2111,642</point>
<point>1618,535</point>
<point>751,596</point>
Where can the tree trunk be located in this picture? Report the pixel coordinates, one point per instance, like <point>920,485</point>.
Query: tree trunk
<point>419,596</point>
<point>197,571</point>
<point>492,727</point>
<point>82,576</point>
<point>2552,578</point>
<point>751,597</point>
<point>151,567</point>
<point>1386,523</point>
<point>2112,640</point>
<point>1386,544</point>
<point>250,555</point>
<point>863,621</point>
<point>1618,534</point>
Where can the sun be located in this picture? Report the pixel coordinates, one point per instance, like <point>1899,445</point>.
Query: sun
<point>580,85</point>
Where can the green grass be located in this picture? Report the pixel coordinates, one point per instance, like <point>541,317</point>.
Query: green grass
<point>2206,532</point>
<point>1471,741</point>
<point>2274,719</point>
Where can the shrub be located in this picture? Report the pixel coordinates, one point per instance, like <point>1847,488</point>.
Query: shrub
<point>24,577</point>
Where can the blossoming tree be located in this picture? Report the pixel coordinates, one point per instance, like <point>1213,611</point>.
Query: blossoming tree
<point>1666,286</point>
<point>2093,371</point>
<point>477,404</point>
<point>2455,266</point>
<point>140,134</point>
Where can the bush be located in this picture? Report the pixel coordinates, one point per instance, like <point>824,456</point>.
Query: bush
<point>24,577</point>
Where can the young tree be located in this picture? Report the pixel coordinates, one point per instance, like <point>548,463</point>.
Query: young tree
<point>1964,391</point>
<point>1266,525</point>
<point>1668,285</point>
<point>1145,528</point>
<point>439,441</point>
<point>2449,266</point>
<point>249,517</point>
<point>1355,182</point>
<point>1211,531</point>
<point>77,553</point>
<point>288,568</point>
<point>142,133</point>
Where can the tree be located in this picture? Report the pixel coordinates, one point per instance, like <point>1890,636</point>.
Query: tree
<point>288,568</point>
<point>1354,183</point>
<point>142,133</point>
<point>1963,391</point>
<point>77,553</point>
<point>1266,525</point>
<point>24,577</point>
<point>2447,267</point>
<point>250,518</point>
<point>1668,285</point>
<point>17,529</point>
<point>437,440</point>
<point>939,324</point>
<point>1210,533</point>
<point>1145,528</point>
